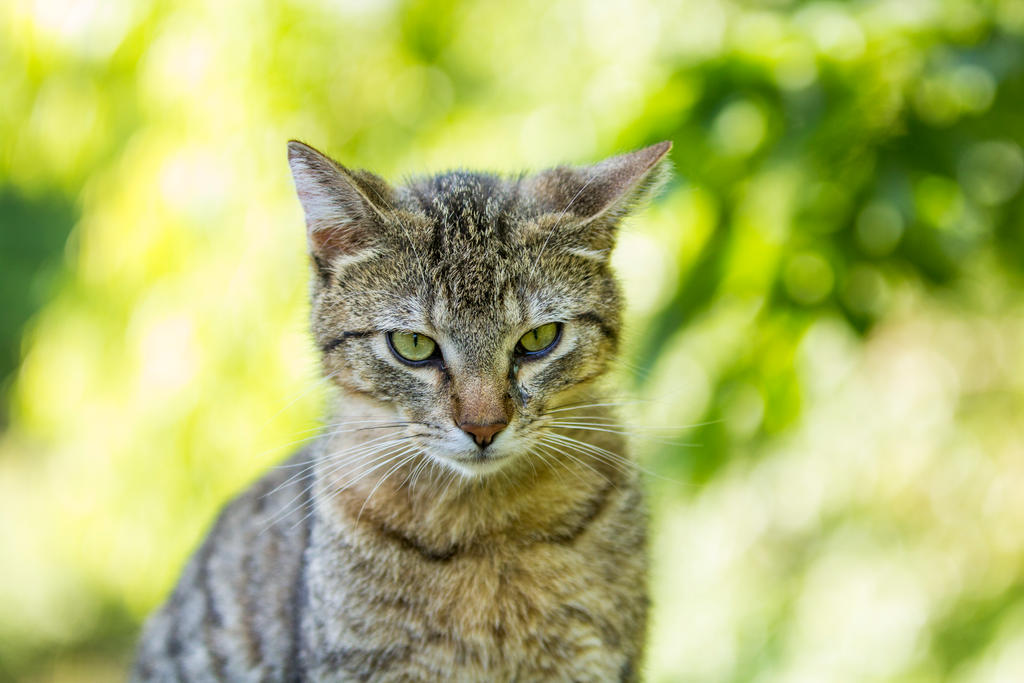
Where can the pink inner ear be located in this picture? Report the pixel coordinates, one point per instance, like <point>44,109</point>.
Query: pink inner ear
<point>336,239</point>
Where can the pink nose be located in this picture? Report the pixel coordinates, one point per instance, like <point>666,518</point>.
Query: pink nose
<point>483,434</point>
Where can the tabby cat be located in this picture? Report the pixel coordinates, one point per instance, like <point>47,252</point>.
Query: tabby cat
<point>468,514</point>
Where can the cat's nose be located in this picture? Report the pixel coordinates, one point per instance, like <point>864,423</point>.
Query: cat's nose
<point>483,434</point>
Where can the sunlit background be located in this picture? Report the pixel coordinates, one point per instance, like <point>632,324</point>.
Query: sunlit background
<point>829,293</point>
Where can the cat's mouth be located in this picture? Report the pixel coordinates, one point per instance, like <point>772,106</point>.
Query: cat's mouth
<point>483,461</point>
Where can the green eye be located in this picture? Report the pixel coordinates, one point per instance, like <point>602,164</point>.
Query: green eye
<point>539,338</point>
<point>411,346</point>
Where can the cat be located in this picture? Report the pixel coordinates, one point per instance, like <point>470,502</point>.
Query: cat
<point>469,513</point>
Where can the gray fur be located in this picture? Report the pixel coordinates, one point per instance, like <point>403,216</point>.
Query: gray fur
<point>396,549</point>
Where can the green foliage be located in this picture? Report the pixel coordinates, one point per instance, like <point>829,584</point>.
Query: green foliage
<point>825,301</point>
<point>29,259</point>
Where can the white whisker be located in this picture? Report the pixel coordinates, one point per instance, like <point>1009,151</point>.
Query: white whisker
<point>544,458</point>
<point>598,405</point>
<point>601,420</point>
<point>624,432</point>
<point>560,450</point>
<point>335,490</point>
<point>396,466</point>
<point>614,459</point>
<point>374,451</point>
<point>324,435</point>
<point>554,455</point>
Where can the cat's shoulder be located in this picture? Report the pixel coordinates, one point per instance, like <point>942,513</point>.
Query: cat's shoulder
<point>235,607</point>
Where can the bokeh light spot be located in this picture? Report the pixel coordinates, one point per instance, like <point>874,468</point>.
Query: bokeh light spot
<point>836,34</point>
<point>739,129</point>
<point>992,172</point>
<point>879,228</point>
<point>808,277</point>
<point>865,290</point>
<point>939,201</point>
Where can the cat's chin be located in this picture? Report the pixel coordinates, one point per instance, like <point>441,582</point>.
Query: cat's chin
<point>476,465</point>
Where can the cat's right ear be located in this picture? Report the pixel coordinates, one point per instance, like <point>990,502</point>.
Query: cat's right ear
<point>589,202</point>
<point>343,207</point>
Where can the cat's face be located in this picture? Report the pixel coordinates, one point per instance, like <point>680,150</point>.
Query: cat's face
<point>472,306</point>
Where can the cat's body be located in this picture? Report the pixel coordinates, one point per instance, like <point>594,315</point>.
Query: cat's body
<point>471,516</point>
<point>300,599</point>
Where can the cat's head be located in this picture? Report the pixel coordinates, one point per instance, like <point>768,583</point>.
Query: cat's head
<point>470,304</point>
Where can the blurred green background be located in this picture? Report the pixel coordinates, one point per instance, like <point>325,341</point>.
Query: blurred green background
<point>829,291</point>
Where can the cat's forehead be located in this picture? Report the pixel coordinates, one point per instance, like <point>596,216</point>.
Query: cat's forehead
<point>465,209</point>
<point>468,240</point>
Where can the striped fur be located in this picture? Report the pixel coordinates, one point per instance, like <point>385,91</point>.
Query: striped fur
<point>394,548</point>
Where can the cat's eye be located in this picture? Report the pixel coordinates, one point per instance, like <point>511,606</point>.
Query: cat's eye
<point>539,339</point>
<point>412,346</point>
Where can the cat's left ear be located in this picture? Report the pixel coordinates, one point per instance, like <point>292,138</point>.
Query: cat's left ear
<point>591,200</point>
<point>343,207</point>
